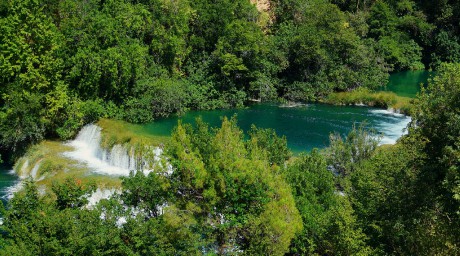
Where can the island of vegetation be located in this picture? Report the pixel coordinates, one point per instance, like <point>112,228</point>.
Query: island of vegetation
<point>65,64</point>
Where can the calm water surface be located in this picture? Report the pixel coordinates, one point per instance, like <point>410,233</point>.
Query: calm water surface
<point>407,83</point>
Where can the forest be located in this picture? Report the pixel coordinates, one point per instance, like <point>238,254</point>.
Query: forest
<point>67,63</point>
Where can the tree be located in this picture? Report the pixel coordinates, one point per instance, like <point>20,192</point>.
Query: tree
<point>406,196</point>
<point>35,224</point>
<point>325,54</point>
<point>239,200</point>
<point>276,148</point>
<point>343,156</point>
<point>72,193</point>
<point>330,226</point>
<point>389,201</point>
<point>30,72</point>
<point>436,122</point>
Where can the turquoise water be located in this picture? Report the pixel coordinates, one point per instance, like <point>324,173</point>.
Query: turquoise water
<point>305,127</point>
<point>308,127</point>
<point>7,180</point>
<point>407,83</point>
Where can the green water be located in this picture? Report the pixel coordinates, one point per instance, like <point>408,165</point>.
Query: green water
<point>407,83</point>
<point>305,127</point>
<point>308,127</point>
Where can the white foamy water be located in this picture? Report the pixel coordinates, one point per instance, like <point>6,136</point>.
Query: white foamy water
<point>386,112</point>
<point>34,171</point>
<point>13,189</point>
<point>392,128</point>
<point>88,150</point>
<point>100,194</point>
<point>119,160</point>
<point>19,184</point>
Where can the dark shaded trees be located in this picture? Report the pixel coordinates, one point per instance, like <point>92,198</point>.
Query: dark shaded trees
<point>330,226</point>
<point>324,53</point>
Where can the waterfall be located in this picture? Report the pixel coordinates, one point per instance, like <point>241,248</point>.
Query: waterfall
<point>119,160</point>
<point>119,156</point>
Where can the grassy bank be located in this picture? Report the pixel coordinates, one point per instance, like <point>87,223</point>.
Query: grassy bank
<point>120,132</point>
<point>363,96</point>
<point>52,166</point>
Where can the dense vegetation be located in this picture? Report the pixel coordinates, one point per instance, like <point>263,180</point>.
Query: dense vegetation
<point>66,63</point>
<point>231,194</point>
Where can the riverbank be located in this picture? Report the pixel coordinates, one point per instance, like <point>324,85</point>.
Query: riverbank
<point>121,132</point>
<point>365,97</point>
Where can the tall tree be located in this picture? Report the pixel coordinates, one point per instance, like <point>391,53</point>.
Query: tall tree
<point>30,72</point>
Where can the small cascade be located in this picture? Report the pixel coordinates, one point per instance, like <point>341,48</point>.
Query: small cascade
<point>90,138</point>
<point>23,171</point>
<point>34,171</point>
<point>393,127</point>
<point>100,194</point>
<point>119,156</point>
<point>119,160</point>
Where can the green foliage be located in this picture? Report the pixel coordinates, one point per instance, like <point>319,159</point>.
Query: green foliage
<point>374,99</point>
<point>221,198</point>
<point>437,122</point>
<point>390,202</point>
<point>146,192</point>
<point>447,48</point>
<point>20,121</point>
<point>67,63</point>
<point>330,226</point>
<point>406,196</point>
<point>363,96</point>
<point>74,62</point>
<point>325,54</point>
<point>246,201</point>
<point>29,70</point>
<point>71,194</point>
<point>276,147</point>
<point>33,225</point>
<point>344,155</point>
<point>401,52</point>
<point>397,46</point>
<point>155,98</point>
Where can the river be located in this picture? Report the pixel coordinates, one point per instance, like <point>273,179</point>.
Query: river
<point>305,126</point>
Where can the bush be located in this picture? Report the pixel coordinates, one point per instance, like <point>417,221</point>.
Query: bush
<point>153,98</point>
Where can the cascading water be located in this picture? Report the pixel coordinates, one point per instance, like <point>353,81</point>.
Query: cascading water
<point>119,160</point>
<point>393,127</point>
<point>34,171</point>
<point>119,156</point>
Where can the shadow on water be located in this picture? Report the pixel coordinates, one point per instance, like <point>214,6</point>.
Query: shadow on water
<point>408,83</point>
